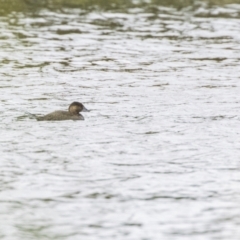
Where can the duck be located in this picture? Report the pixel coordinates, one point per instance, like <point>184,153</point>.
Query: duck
<point>72,113</point>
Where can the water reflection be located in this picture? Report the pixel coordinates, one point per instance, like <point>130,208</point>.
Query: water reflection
<point>33,6</point>
<point>156,158</point>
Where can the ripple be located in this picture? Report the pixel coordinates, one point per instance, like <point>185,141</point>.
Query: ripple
<point>157,156</point>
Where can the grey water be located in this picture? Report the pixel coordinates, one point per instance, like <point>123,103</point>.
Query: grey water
<point>158,155</point>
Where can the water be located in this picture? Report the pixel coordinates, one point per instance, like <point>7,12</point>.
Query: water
<point>158,155</point>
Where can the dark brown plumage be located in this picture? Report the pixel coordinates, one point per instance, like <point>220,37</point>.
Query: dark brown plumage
<point>71,114</point>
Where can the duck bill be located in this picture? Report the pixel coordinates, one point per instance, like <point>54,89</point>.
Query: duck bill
<point>85,110</point>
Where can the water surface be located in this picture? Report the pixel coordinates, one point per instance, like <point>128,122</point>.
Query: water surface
<point>156,158</point>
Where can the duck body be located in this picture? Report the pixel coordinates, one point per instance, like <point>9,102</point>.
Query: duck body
<point>60,116</point>
<point>71,114</point>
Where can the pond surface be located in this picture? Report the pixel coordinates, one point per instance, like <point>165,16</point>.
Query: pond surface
<point>158,155</point>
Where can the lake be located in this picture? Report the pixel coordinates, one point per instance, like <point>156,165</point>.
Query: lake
<point>156,158</point>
